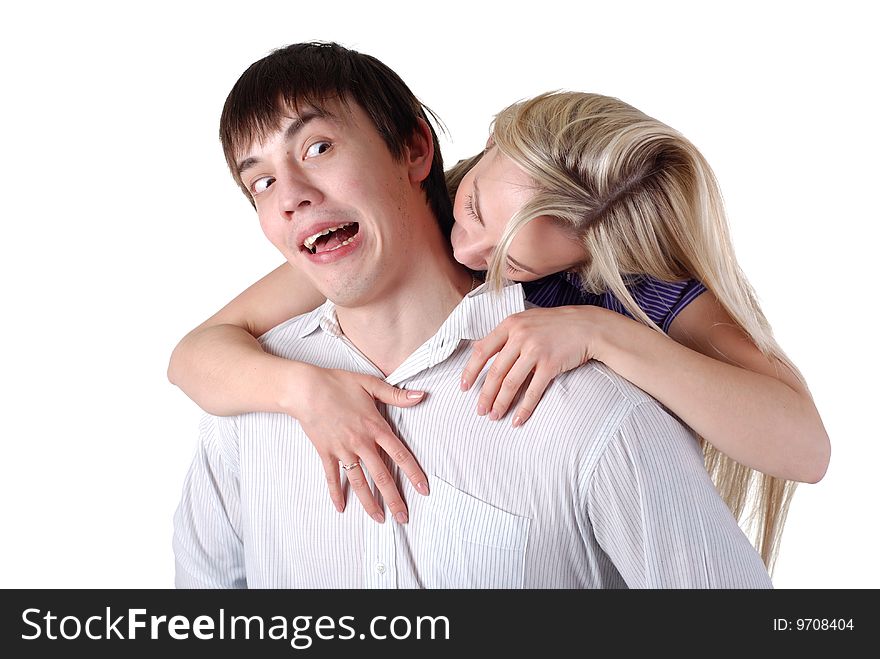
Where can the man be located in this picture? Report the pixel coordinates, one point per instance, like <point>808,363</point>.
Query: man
<point>601,489</point>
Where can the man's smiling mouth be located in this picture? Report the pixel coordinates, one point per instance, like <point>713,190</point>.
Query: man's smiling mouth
<point>331,238</point>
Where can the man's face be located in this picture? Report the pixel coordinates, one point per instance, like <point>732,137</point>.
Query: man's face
<point>334,201</point>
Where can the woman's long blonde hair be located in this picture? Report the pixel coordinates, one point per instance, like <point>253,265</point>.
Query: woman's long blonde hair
<point>643,200</point>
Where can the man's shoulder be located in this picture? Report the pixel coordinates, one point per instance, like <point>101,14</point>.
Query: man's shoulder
<point>219,435</point>
<point>595,377</point>
<point>606,404</point>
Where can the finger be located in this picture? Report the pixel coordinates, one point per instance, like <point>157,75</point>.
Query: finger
<point>532,396</point>
<point>331,472</point>
<point>405,460</point>
<point>385,484</point>
<point>502,364</point>
<point>358,481</point>
<point>482,352</point>
<point>384,392</point>
<point>513,382</point>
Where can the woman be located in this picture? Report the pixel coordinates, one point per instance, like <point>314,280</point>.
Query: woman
<point>616,223</point>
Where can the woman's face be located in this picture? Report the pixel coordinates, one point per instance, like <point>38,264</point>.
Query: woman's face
<point>489,194</point>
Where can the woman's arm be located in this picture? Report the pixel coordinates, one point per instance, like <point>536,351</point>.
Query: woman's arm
<point>752,408</point>
<point>222,367</point>
<point>220,364</point>
<point>710,374</point>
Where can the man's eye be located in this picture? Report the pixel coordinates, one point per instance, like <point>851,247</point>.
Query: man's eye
<point>261,184</point>
<point>317,149</point>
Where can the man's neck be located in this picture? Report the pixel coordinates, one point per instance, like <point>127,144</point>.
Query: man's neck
<point>390,329</point>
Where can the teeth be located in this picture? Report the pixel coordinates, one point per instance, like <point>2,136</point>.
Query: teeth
<point>309,243</point>
<point>342,244</point>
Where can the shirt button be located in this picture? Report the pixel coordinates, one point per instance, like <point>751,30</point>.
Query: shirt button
<point>380,568</point>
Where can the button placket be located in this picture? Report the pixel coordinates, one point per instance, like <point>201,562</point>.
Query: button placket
<point>380,558</point>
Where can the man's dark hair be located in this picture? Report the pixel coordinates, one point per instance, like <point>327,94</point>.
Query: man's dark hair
<point>310,74</point>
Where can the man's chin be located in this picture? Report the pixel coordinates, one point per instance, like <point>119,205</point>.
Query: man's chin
<point>349,296</point>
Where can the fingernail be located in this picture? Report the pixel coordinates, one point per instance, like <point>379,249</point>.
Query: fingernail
<point>339,507</point>
<point>481,410</point>
<point>493,415</point>
<point>379,517</point>
<point>401,517</point>
<point>422,488</point>
<point>414,395</point>
<point>464,384</point>
<point>517,421</point>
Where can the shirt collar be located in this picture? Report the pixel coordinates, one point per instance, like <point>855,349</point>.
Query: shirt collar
<point>478,313</point>
<point>323,317</point>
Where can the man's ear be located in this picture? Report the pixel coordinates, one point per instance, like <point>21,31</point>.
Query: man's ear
<point>419,152</point>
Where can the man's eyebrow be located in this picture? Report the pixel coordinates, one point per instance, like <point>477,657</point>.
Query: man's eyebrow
<point>476,203</point>
<point>246,164</point>
<point>299,122</point>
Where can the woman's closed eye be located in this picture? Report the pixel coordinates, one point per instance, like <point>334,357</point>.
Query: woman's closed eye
<point>469,207</point>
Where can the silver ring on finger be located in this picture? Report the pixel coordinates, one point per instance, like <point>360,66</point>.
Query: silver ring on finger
<point>351,466</point>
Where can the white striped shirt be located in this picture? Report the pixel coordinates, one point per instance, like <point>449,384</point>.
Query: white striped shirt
<point>600,489</point>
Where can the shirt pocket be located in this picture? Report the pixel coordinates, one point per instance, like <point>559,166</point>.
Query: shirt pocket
<point>473,543</point>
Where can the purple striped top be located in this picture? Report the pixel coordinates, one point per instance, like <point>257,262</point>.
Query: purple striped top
<point>661,300</point>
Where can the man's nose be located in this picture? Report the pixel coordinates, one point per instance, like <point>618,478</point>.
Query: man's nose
<point>297,193</point>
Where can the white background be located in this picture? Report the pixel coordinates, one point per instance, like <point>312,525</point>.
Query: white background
<point>121,228</point>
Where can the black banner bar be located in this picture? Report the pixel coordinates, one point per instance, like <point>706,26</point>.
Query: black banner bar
<point>170,623</point>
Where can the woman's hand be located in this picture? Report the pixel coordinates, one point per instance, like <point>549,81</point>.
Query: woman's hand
<point>539,342</point>
<point>338,414</point>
